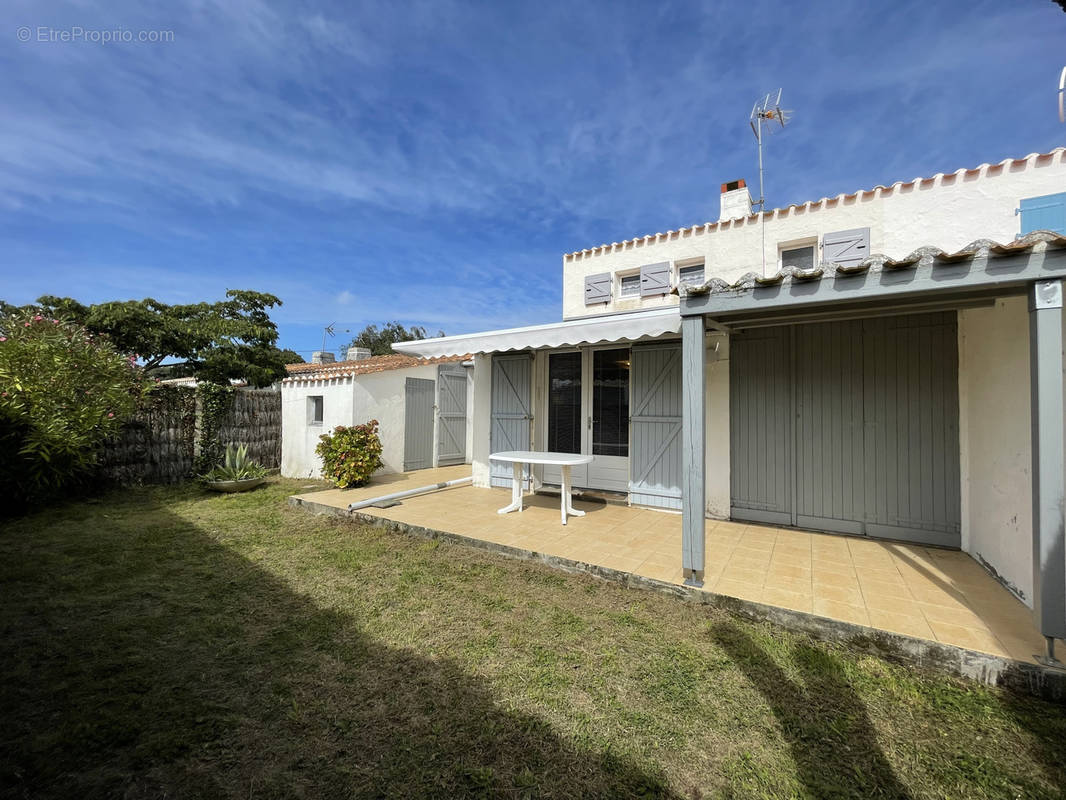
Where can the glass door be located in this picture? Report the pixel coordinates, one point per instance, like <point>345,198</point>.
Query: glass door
<point>607,401</point>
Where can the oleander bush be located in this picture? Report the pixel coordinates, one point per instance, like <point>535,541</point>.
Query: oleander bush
<point>350,455</point>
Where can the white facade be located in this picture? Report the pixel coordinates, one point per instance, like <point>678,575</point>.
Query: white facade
<point>946,211</point>
<point>349,400</point>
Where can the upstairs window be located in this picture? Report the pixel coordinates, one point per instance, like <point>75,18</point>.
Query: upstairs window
<point>802,257</point>
<point>691,274</point>
<point>629,286</point>
<point>314,410</point>
<point>1045,213</point>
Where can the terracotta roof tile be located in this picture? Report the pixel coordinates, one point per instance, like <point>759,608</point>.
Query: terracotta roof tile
<point>365,366</point>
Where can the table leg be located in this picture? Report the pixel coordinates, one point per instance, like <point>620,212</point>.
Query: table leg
<point>565,500</point>
<point>516,491</point>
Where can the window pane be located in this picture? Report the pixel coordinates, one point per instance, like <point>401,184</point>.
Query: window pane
<point>693,274</point>
<point>630,285</point>
<point>802,257</point>
<point>564,402</point>
<point>610,403</point>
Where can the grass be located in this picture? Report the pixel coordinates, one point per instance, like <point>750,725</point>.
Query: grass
<point>170,643</point>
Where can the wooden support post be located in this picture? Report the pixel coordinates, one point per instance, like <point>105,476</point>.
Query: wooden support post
<point>693,454</point>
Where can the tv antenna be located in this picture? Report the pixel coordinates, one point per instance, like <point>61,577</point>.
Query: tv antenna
<point>767,110</point>
<point>330,331</point>
<point>1062,96</point>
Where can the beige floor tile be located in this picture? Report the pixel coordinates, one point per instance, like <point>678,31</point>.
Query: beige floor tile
<point>840,594</point>
<point>740,589</point>
<point>842,611</point>
<point>798,601</point>
<point>970,638</point>
<point>884,588</point>
<point>790,583</point>
<point>843,579</point>
<point>788,571</point>
<point>744,575</point>
<point>876,574</point>
<point>828,557</point>
<point>907,624</point>
<point>951,615</point>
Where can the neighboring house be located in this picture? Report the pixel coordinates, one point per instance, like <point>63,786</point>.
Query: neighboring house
<point>422,407</point>
<point>834,388</point>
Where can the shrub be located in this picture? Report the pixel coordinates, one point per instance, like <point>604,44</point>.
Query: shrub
<point>63,392</point>
<point>350,455</point>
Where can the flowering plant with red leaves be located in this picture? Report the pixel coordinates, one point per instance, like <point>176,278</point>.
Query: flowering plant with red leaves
<point>350,455</point>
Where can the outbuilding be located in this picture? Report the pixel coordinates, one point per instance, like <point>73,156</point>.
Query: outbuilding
<point>422,406</point>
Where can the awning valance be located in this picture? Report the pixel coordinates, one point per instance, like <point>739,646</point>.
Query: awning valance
<point>610,328</point>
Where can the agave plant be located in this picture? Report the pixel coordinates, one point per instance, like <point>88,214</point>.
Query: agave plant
<point>236,466</point>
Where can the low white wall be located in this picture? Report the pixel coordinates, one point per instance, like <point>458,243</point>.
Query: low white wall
<point>298,437</point>
<point>995,440</point>
<point>380,396</point>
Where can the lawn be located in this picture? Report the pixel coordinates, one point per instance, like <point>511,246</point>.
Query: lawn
<point>169,643</point>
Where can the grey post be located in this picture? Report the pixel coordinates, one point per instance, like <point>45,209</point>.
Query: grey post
<point>1049,459</point>
<point>694,387</point>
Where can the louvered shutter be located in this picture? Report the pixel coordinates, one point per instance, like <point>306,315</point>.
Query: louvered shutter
<point>655,279</point>
<point>597,288</point>
<point>846,248</point>
<point>1046,213</point>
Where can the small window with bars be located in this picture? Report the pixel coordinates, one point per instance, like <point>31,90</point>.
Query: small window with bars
<point>314,410</point>
<point>629,286</point>
<point>692,274</point>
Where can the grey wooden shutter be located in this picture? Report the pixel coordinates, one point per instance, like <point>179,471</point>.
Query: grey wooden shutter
<point>655,438</point>
<point>597,288</point>
<point>846,247</point>
<point>418,424</point>
<point>451,415</point>
<point>655,279</point>
<point>760,425</point>
<point>511,389</point>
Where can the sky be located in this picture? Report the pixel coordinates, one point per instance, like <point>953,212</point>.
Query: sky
<point>431,162</point>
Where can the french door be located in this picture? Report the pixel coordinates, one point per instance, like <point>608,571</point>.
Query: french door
<point>588,412</point>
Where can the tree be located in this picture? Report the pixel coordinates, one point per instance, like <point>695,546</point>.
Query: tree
<point>63,391</point>
<point>292,357</point>
<point>231,339</point>
<point>380,340</point>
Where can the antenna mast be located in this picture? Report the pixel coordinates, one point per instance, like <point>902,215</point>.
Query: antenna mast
<point>769,110</point>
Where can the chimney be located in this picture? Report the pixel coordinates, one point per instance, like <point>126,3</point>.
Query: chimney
<point>736,200</point>
<point>358,353</point>
<point>323,357</point>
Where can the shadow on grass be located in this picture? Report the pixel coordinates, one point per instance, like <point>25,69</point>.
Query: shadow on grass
<point>833,742</point>
<point>143,659</point>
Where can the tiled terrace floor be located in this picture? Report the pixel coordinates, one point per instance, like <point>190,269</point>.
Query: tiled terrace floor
<point>926,592</point>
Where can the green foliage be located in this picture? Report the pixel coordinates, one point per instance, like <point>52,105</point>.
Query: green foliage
<point>236,466</point>
<point>380,340</point>
<point>231,339</point>
<point>215,402</point>
<point>292,357</point>
<point>350,455</point>
<point>63,391</point>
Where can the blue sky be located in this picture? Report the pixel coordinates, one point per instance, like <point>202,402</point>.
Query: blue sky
<point>431,161</point>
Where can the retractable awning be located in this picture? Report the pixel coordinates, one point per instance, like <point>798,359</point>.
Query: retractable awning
<point>609,328</point>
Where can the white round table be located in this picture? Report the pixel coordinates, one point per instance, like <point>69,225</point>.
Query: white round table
<point>563,460</point>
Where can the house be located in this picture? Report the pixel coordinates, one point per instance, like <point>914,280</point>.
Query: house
<point>885,363</point>
<point>422,407</point>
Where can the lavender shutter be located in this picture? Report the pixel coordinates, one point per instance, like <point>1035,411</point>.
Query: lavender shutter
<point>597,288</point>
<point>846,248</point>
<point>655,279</point>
